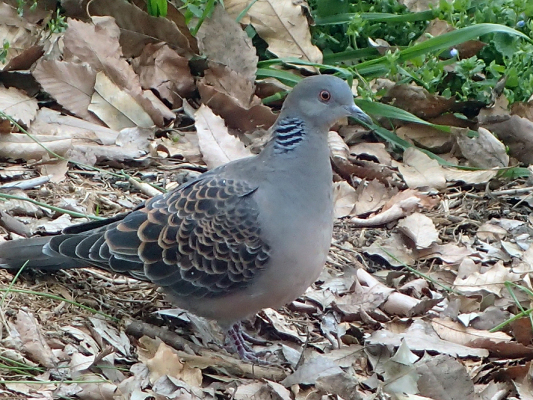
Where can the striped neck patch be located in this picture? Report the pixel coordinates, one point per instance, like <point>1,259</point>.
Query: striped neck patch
<point>288,133</point>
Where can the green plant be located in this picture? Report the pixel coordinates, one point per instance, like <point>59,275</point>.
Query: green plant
<point>57,24</point>
<point>3,52</point>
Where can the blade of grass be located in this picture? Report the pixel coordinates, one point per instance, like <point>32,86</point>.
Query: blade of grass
<point>53,208</point>
<point>376,17</point>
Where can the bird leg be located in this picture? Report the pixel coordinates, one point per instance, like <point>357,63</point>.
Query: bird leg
<point>238,343</point>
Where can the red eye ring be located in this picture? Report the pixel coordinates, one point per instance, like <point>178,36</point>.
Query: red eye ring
<point>324,96</point>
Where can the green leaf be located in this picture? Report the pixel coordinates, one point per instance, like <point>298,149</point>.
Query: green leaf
<point>437,44</point>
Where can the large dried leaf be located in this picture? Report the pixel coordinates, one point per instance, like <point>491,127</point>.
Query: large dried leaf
<point>484,151</point>
<point>97,44</point>
<point>18,105</point>
<point>222,40</point>
<point>217,145</point>
<point>420,171</point>
<point>51,122</point>
<point>231,96</point>
<point>33,340</point>
<point>517,134</point>
<point>282,24</point>
<point>19,146</point>
<point>421,336</point>
<point>491,280</point>
<point>137,28</point>
<point>343,199</point>
<point>116,107</point>
<point>71,84</point>
<point>418,101</point>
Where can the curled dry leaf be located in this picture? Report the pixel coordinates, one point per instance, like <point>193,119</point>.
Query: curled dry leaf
<point>166,362</point>
<point>420,229</point>
<point>393,249</point>
<point>282,24</point>
<point>371,196</point>
<point>420,336</point>
<point>469,177</point>
<point>397,207</point>
<point>427,137</point>
<point>163,70</point>
<point>217,145</point>
<point>344,198</point>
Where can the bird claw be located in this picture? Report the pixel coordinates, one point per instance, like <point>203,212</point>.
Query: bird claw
<point>238,344</point>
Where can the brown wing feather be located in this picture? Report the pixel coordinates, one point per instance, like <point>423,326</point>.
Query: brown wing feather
<point>200,240</point>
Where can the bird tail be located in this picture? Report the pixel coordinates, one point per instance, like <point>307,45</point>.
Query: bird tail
<point>33,253</point>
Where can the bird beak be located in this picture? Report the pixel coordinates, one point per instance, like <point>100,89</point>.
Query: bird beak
<point>358,114</point>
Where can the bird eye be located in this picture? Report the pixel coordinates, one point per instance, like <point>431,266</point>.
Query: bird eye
<point>324,95</point>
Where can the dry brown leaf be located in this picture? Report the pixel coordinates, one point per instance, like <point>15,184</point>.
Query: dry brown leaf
<point>33,341</point>
<point>116,107</point>
<point>50,122</point>
<point>343,199</point>
<point>449,253</point>
<point>18,105</point>
<point>485,151</point>
<point>418,101</point>
<point>517,134</point>
<point>491,280</point>
<point>138,28</point>
<point>166,362</point>
<point>71,84</point>
<point>17,32</point>
<point>221,39</point>
<point>420,229</point>
<point>427,137</point>
<point>376,150</point>
<point>282,24</point>
<point>469,177</point>
<point>231,96</point>
<point>393,249</point>
<point>443,377</point>
<point>420,171</point>
<point>370,197</point>
<point>163,70</point>
<point>420,336</point>
<point>97,44</point>
<point>184,144</point>
<point>397,207</point>
<point>19,146</point>
<point>56,170</point>
<point>217,145</point>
